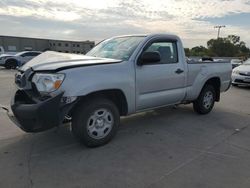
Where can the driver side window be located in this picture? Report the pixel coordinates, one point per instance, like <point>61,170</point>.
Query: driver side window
<point>167,51</point>
<point>25,54</point>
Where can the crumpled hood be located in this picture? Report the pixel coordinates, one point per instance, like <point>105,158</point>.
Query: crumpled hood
<point>54,61</point>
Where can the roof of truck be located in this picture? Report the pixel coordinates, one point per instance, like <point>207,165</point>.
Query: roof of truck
<point>148,35</point>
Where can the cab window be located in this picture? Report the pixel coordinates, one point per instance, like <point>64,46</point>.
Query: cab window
<point>167,51</point>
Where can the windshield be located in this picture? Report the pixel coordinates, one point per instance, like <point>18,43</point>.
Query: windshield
<point>116,48</point>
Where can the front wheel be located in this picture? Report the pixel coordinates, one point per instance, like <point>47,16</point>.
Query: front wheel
<point>205,102</point>
<point>95,122</point>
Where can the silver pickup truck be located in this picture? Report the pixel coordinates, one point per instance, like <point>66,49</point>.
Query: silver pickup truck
<point>118,77</point>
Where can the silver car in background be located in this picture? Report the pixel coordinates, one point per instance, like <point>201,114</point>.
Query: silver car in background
<point>241,74</point>
<point>3,57</point>
<point>19,59</point>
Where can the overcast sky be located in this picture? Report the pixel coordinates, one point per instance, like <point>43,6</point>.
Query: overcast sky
<point>192,20</point>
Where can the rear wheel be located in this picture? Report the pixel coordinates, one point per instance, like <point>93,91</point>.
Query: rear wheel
<point>11,64</point>
<point>205,102</point>
<point>95,122</point>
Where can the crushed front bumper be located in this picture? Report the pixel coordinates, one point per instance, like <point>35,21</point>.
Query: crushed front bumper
<point>36,115</point>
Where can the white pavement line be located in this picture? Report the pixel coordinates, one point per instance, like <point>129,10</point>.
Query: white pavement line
<point>215,153</point>
<point>239,147</point>
<point>190,160</point>
<point>176,169</point>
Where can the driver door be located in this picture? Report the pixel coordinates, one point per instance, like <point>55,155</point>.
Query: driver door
<point>160,83</point>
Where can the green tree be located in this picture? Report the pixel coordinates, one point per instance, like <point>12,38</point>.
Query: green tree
<point>199,51</point>
<point>222,47</point>
<point>243,50</point>
<point>187,52</point>
<point>230,46</point>
<point>233,39</point>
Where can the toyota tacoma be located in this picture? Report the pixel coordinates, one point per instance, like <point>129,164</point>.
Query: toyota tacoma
<point>120,76</point>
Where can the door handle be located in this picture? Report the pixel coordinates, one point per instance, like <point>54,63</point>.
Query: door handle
<point>179,71</point>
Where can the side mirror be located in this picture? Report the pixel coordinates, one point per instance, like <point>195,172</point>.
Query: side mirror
<point>149,57</point>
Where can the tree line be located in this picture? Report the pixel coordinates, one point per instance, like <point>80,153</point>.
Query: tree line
<point>230,46</point>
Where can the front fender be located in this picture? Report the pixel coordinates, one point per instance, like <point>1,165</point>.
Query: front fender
<point>85,80</point>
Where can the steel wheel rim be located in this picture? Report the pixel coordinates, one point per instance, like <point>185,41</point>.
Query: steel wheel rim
<point>100,123</point>
<point>208,99</point>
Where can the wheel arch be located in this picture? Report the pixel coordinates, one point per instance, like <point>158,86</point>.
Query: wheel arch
<point>216,83</point>
<point>11,59</point>
<point>117,96</point>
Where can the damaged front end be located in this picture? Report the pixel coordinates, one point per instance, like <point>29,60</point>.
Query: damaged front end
<point>36,116</point>
<point>33,112</point>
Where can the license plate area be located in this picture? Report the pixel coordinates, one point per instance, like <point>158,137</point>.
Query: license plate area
<point>247,80</point>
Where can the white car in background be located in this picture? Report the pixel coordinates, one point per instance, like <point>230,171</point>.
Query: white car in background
<point>241,74</point>
<point>236,63</point>
<point>13,61</point>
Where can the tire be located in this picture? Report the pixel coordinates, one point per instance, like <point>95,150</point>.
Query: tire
<point>89,124</point>
<point>7,66</point>
<point>11,64</point>
<point>205,102</point>
<point>234,84</point>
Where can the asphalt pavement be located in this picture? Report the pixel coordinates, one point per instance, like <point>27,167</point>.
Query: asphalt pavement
<point>168,147</point>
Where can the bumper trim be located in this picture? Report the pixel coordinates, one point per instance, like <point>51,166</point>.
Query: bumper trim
<point>33,116</point>
<point>241,82</point>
